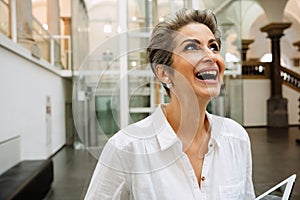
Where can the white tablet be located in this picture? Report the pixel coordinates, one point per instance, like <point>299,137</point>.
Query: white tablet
<point>286,187</point>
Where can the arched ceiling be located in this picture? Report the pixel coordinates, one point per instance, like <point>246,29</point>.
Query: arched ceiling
<point>245,16</point>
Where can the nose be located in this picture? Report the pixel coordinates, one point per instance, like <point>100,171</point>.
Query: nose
<point>209,57</point>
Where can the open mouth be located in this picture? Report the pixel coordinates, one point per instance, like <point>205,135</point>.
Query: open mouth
<point>207,75</point>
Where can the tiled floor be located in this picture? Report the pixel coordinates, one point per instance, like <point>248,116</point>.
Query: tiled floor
<point>72,172</point>
<point>276,155</point>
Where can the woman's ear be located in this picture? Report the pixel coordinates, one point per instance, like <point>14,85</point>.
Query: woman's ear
<point>162,74</point>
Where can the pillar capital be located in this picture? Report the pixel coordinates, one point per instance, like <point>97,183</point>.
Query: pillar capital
<point>245,47</point>
<point>297,44</point>
<point>275,29</point>
<point>66,18</point>
<point>246,43</point>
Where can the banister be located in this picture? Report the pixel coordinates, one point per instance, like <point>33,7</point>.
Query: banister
<point>261,70</point>
<point>255,70</point>
<point>290,78</point>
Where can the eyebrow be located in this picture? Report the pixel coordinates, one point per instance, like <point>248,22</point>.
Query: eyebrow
<point>190,40</point>
<point>197,41</point>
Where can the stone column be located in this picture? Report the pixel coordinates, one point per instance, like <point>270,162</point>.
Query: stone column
<point>277,115</point>
<point>24,23</point>
<point>245,48</point>
<point>53,17</point>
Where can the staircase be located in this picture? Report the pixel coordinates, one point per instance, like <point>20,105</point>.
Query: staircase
<point>261,70</point>
<point>290,78</point>
<point>257,70</point>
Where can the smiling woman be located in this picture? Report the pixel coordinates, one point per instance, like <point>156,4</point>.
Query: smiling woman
<point>197,57</point>
<point>180,151</point>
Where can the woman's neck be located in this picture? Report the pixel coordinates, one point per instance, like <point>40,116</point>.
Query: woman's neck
<point>187,118</point>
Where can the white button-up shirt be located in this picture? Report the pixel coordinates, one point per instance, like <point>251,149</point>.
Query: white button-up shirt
<point>145,161</point>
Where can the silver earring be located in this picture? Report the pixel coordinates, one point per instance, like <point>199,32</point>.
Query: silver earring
<point>169,85</point>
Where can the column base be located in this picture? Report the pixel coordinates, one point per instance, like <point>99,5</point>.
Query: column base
<point>277,114</point>
<point>31,45</point>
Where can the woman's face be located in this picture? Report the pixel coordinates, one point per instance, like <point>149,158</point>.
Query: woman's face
<point>197,61</point>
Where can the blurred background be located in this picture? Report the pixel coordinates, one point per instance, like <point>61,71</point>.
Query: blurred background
<point>74,72</point>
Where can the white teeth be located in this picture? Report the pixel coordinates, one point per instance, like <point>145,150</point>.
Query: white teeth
<point>207,75</point>
<point>208,72</point>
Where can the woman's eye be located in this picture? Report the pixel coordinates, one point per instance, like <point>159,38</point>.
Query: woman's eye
<point>191,47</point>
<point>214,47</point>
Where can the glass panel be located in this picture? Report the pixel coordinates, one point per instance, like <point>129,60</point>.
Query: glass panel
<point>62,52</point>
<point>140,76</point>
<point>143,88</point>
<point>104,60</point>
<point>96,78</point>
<point>80,33</point>
<point>42,39</point>
<point>107,93</point>
<point>139,85</point>
<point>4,18</point>
<point>165,7</point>
<point>230,101</point>
<point>105,115</point>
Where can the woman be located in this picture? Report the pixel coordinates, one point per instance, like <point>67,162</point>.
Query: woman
<point>180,151</point>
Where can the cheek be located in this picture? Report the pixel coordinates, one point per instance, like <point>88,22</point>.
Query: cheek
<point>182,65</point>
<point>221,64</point>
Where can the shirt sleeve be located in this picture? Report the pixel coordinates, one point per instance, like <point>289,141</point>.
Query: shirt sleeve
<point>108,181</point>
<point>249,190</point>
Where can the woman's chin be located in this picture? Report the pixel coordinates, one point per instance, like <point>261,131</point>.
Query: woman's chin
<point>208,92</point>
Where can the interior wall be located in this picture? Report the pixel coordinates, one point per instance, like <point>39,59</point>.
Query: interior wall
<point>25,86</point>
<point>256,93</point>
<point>293,104</point>
<point>9,153</point>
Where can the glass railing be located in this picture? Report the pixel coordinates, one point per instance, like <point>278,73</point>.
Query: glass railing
<point>42,39</point>
<point>62,52</point>
<point>56,49</point>
<point>4,18</point>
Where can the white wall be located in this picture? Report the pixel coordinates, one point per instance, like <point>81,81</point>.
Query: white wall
<point>293,104</point>
<point>9,153</point>
<point>24,85</point>
<point>256,93</point>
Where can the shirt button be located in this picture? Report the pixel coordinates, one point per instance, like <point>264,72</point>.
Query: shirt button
<point>203,178</point>
<point>211,145</point>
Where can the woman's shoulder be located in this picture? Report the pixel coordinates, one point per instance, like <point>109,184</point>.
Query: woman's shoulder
<point>229,127</point>
<point>133,132</point>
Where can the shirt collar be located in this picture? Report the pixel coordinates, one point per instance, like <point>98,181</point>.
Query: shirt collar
<point>164,132</point>
<point>166,135</point>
